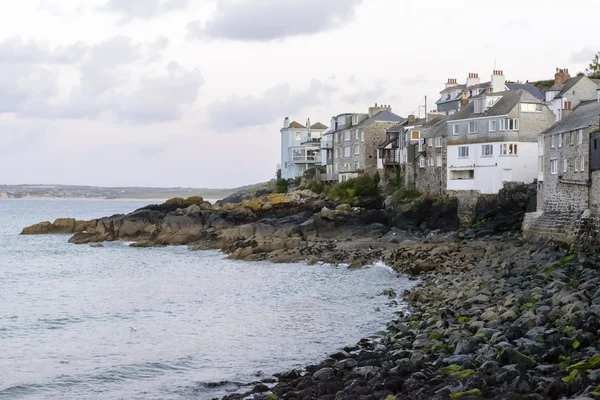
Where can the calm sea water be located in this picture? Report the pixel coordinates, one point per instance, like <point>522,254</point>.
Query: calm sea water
<point>78,322</point>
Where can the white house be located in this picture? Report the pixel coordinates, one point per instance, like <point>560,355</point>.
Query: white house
<point>567,93</point>
<point>494,139</point>
<point>300,147</point>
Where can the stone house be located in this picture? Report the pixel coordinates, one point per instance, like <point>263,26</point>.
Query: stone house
<point>494,139</point>
<point>355,138</point>
<point>567,92</point>
<point>431,173</point>
<point>569,185</point>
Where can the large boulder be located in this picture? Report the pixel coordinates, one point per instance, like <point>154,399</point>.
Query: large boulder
<point>429,211</point>
<point>505,211</point>
<point>59,226</point>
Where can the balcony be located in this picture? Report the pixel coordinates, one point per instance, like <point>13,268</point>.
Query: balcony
<point>330,177</point>
<point>327,143</point>
<point>304,155</point>
<point>390,156</point>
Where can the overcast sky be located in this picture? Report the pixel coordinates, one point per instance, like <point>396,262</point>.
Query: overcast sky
<point>193,92</point>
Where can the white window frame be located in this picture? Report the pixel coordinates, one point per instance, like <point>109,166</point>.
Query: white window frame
<point>356,134</point>
<point>560,140</point>
<point>356,149</point>
<point>362,136</point>
<point>347,151</point>
<point>576,164</point>
<point>509,149</point>
<point>495,125</point>
<point>438,142</point>
<point>509,124</point>
<point>347,136</point>
<point>565,165</point>
<point>487,150</point>
<point>552,141</point>
<point>580,134</point>
<point>461,149</point>
<point>422,162</point>
<point>455,129</point>
<point>582,165</point>
<point>531,107</point>
<point>554,167</point>
<point>354,119</point>
<point>298,136</point>
<point>431,162</point>
<point>430,142</point>
<point>474,130</point>
<point>439,161</point>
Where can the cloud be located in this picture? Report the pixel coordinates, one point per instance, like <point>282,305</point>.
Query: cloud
<point>239,112</point>
<point>265,20</point>
<point>117,79</point>
<point>366,96</point>
<point>129,10</point>
<point>583,56</point>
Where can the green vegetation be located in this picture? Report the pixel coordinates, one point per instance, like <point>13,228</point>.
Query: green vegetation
<point>462,375</point>
<point>451,369</point>
<point>593,70</point>
<point>460,395</point>
<point>463,320</point>
<point>316,187</point>
<point>349,191</point>
<point>281,186</point>
<point>481,336</point>
<point>573,376</point>
<point>436,335</point>
<point>298,181</point>
<point>271,396</point>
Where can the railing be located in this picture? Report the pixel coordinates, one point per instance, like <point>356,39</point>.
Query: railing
<point>330,177</point>
<point>303,159</point>
<point>391,156</point>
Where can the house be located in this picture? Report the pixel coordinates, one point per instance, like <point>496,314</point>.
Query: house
<point>355,138</point>
<point>569,186</point>
<point>567,92</point>
<point>430,171</point>
<point>300,147</point>
<point>455,94</point>
<point>494,139</point>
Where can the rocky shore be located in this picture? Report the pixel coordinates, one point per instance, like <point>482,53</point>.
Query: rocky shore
<point>492,317</point>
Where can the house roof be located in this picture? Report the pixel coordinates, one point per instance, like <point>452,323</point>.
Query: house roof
<point>526,86</point>
<point>507,102</point>
<point>318,125</point>
<point>381,116</point>
<point>436,127</point>
<point>296,125</point>
<point>584,115</point>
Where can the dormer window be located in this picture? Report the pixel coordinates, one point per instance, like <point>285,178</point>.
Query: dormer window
<point>479,106</point>
<point>355,119</point>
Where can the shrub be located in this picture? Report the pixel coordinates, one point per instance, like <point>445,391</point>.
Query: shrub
<point>281,186</point>
<point>298,181</point>
<point>316,187</point>
<point>347,192</point>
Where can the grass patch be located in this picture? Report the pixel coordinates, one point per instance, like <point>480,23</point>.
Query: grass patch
<point>460,395</point>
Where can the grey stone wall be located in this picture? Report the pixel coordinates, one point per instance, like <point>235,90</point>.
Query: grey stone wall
<point>467,205</point>
<point>432,179</point>
<point>374,136</point>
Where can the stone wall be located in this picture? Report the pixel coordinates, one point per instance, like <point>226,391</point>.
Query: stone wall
<point>432,179</point>
<point>467,205</point>
<point>374,136</point>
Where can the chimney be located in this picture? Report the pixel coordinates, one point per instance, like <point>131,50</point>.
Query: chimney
<point>473,79</point>
<point>411,118</point>
<point>464,100</point>
<point>433,114</point>
<point>378,108</point>
<point>451,83</point>
<point>286,123</point>
<point>561,76</point>
<point>498,81</point>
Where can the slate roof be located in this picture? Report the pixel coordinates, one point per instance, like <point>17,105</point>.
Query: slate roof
<point>526,86</point>
<point>502,107</point>
<point>318,125</point>
<point>437,127</point>
<point>381,116</point>
<point>584,115</point>
<point>296,125</point>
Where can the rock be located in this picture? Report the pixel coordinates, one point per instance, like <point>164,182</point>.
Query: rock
<point>345,208</point>
<point>96,245</point>
<point>479,299</point>
<point>389,293</point>
<point>289,375</point>
<point>467,346</point>
<point>327,214</point>
<point>260,388</point>
<point>324,375</point>
<point>366,372</point>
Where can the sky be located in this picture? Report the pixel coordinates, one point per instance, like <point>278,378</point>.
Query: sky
<point>193,93</point>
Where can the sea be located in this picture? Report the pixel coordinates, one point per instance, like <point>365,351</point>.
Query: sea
<point>78,322</point>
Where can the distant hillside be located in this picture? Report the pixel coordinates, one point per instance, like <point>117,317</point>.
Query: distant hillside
<point>94,192</point>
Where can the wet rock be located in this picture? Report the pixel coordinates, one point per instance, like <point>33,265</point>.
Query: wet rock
<point>324,375</point>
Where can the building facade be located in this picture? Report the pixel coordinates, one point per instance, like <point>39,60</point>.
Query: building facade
<point>569,189</point>
<point>300,147</point>
<point>494,139</point>
<point>355,138</point>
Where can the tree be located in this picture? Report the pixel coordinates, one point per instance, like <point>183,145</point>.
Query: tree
<point>593,70</point>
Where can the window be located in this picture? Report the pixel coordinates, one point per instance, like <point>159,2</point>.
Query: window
<point>541,164</point>
<point>487,150</point>
<point>347,151</point>
<point>479,105</point>
<point>552,141</point>
<point>439,161</point>
<point>415,135</point>
<point>420,147</point>
<point>560,140</point>
<point>508,149</point>
<point>493,124</point>
<point>571,138</point>
<point>354,119</point>
<point>509,124</point>
<point>438,142</point>
<point>431,162</point>
<point>422,162</point>
<point>298,136</point>
<point>337,153</point>
<point>554,167</point>
<point>429,142</point>
<point>576,164</point>
<point>472,127</point>
<point>285,165</point>
<point>357,149</point>
<point>580,134</point>
<point>582,165</point>
<point>362,136</point>
<point>346,135</point>
<point>455,129</point>
<point>531,107</point>
<point>356,165</point>
<point>356,134</point>
<point>462,175</point>
<point>463,152</point>
<point>565,165</point>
